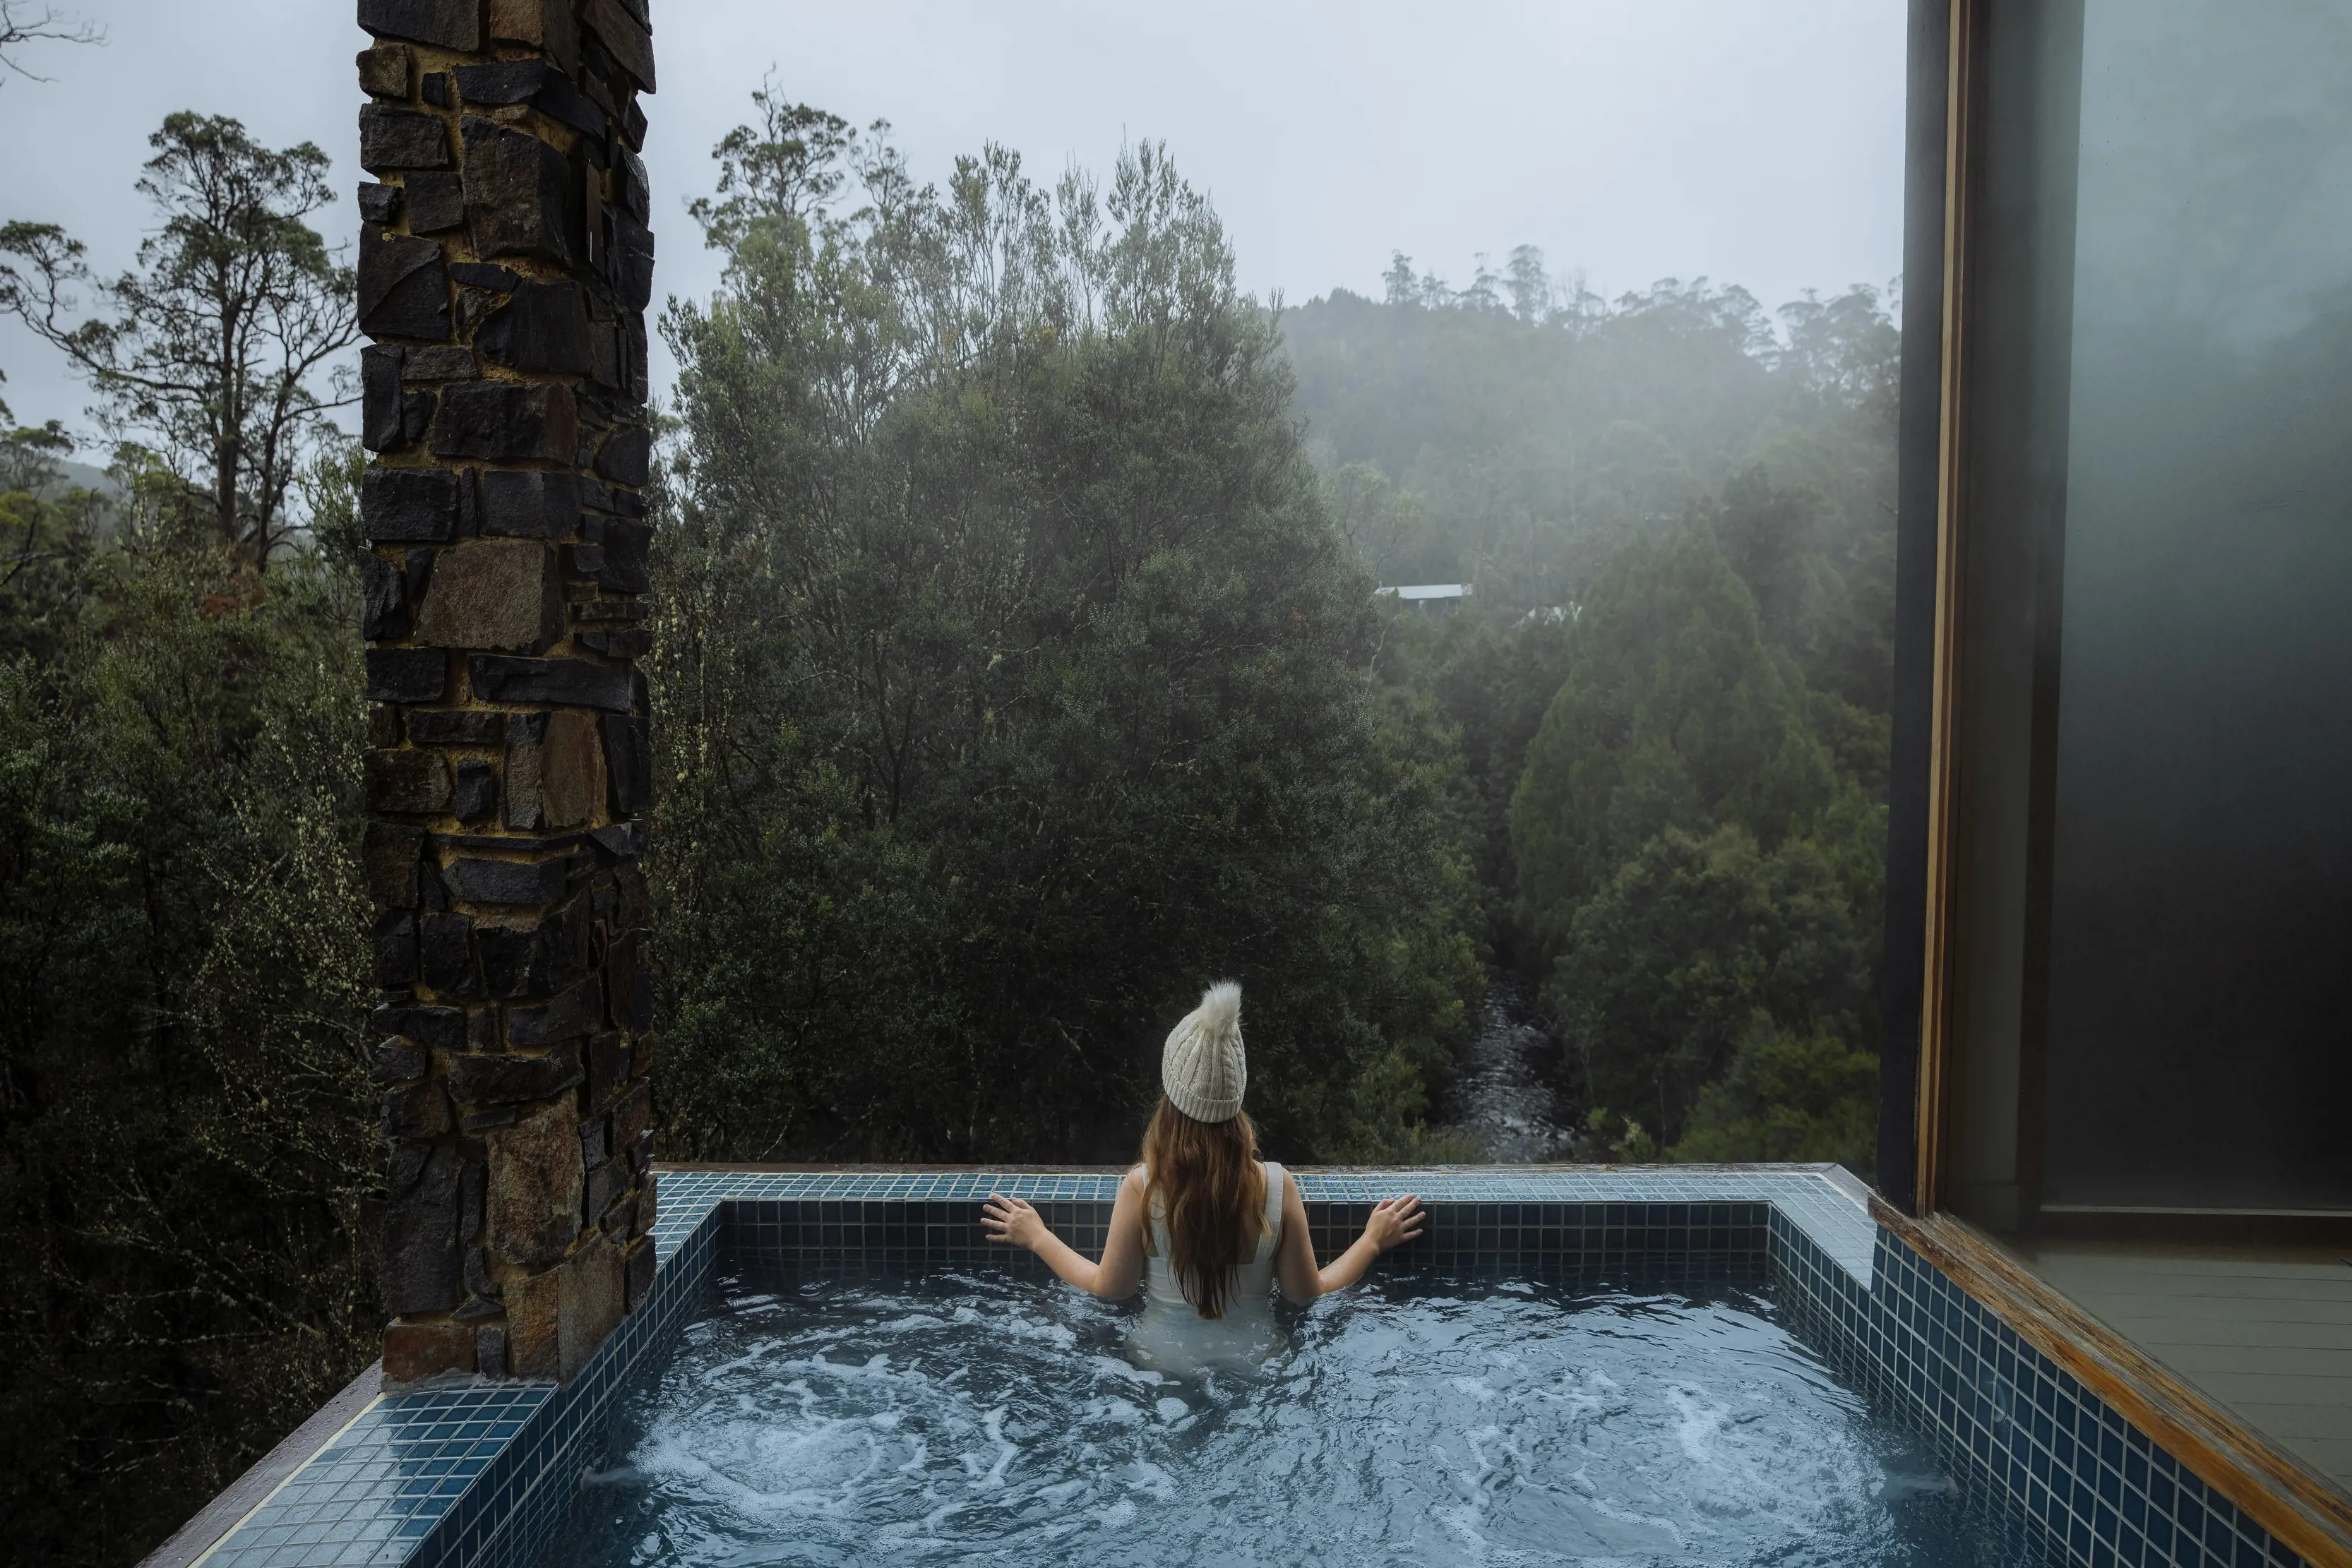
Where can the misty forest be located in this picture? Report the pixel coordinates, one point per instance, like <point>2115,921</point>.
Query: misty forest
<point>1018,668</point>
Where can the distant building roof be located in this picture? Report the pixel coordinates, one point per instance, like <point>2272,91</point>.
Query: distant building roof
<point>1432,591</point>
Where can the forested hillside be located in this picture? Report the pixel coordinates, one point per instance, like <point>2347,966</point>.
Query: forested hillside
<point>1020,672</point>
<point>1669,689</point>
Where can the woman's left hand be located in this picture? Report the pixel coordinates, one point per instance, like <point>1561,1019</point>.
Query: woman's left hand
<point>1009,1219</point>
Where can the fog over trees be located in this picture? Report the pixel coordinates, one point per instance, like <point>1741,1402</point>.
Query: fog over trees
<point>1013,679</point>
<point>1019,578</point>
<point>1669,692</point>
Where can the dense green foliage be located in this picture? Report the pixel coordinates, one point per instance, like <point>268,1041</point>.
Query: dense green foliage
<point>1013,684</point>
<point>1670,687</point>
<point>1675,712</point>
<point>188,1172</point>
<point>186,1166</point>
<point>1017,675</point>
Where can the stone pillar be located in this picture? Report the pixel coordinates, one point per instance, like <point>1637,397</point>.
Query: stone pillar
<point>505,266</point>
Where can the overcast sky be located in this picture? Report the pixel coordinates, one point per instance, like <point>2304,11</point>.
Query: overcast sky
<point>1633,140</point>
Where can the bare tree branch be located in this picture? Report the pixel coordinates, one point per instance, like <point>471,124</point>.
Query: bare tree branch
<point>22,23</point>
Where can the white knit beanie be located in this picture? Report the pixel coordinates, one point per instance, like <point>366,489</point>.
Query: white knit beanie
<point>1202,1068</point>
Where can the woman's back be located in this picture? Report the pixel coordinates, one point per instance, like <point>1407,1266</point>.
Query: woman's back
<point>1174,1331</point>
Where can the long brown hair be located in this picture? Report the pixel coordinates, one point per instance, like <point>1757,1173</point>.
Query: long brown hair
<point>1204,1180</point>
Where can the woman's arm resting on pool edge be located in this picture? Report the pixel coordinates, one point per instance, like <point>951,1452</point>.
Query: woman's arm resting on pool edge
<point>1396,1219</point>
<point>1121,1268</point>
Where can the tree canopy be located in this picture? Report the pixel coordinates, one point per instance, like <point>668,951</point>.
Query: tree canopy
<point>1669,688</point>
<point>1014,675</point>
<point>1675,714</point>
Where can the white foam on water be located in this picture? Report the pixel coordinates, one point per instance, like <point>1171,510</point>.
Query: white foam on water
<point>1006,1425</point>
<point>993,1423</point>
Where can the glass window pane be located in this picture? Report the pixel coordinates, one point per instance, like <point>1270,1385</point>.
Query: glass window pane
<point>2199,1018</point>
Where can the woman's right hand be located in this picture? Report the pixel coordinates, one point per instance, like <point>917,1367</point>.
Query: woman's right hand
<point>1009,1219</point>
<point>1393,1221</point>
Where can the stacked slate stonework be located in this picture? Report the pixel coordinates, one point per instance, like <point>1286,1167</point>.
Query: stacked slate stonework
<point>505,267</point>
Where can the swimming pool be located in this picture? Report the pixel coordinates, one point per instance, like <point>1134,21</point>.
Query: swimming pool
<point>969,1417</point>
<point>487,1475</point>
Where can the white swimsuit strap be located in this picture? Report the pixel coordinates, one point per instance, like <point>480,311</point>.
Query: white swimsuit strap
<point>1273,1231</point>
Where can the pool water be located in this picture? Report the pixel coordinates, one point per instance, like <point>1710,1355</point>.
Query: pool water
<point>982,1420</point>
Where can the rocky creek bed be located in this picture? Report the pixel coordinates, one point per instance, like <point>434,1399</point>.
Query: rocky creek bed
<point>1499,1095</point>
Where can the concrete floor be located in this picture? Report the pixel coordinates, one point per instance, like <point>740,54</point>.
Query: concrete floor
<point>2264,1331</point>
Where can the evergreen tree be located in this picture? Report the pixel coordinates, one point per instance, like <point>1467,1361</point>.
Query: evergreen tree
<point>213,355</point>
<point>1675,714</point>
<point>1695,946</point>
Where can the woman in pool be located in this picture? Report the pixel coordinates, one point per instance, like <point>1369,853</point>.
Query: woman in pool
<point>1216,1224</point>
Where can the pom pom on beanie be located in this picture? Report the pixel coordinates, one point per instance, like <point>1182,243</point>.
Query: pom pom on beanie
<point>1202,1068</point>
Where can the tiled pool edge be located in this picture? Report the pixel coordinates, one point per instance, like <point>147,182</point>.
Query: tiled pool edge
<point>477,1474</point>
<point>2053,1461</point>
<point>484,1475</point>
<point>245,1496</point>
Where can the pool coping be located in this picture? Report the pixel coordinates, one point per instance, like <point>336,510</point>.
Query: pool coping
<point>483,1474</point>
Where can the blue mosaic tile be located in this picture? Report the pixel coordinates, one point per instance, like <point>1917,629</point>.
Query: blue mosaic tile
<point>385,1479</point>
<point>1826,1210</point>
<point>481,1475</point>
